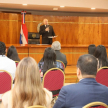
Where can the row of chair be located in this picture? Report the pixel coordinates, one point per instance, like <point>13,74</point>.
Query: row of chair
<point>52,80</point>
<point>90,105</point>
<point>101,76</point>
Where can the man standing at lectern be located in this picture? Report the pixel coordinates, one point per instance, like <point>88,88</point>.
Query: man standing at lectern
<point>46,30</point>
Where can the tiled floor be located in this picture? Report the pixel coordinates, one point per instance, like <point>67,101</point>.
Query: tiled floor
<point>71,74</point>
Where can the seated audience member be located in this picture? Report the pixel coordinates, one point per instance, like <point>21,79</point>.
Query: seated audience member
<point>12,53</point>
<point>49,61</point>
<point>91,49</point>
<point>101,55</point>
<point>6,63</point>
<point>28,90</point>
<point>59,56</point>
<point>87,90</point>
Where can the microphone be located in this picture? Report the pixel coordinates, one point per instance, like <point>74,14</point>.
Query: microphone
<point>47,26</point>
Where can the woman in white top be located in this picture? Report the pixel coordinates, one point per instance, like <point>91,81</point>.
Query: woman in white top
<point>28,90</point>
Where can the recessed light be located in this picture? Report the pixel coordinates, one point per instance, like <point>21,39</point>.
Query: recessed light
<point>55,8</point>
<point>93,8</point>
<point>25,4</point>
<point>62,6</point>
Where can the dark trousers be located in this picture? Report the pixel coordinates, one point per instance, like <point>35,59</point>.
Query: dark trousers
<point>46,40</point>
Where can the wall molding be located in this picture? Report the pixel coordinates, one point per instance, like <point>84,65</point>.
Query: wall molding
<point>55,13</point>
<point>54,22</point>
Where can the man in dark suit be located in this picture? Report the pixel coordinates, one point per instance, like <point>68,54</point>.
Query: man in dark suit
<point>87,90</point>
<point>46,30</point>
<point>59,56</point>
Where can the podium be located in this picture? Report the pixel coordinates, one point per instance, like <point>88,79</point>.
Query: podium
<point>53,38</point>
<point>36,38</point>
<point>33,38</point>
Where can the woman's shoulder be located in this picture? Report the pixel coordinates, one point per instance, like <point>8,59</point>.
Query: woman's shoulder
<point>48,96</point>
<point>7,94</point>
<point>48,92</point>
<point>7,99</point>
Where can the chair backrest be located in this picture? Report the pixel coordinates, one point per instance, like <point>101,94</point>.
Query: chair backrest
<point>53,79</point>
<point>36,106</point>
<point>96,105</point>
<point>5,81</point>
<point>61,63</point>
<point>102,76</point>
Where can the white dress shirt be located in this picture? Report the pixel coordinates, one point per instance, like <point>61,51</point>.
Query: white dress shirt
<point>7,65</point>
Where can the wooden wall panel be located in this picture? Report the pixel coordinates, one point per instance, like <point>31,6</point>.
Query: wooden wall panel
<point>72,52</point>
<point>89,31</point>
<point>104,37</point>
<point>70,29</point>
<point>36,53</point>
<point>68,53</point>
<point>76,53</point>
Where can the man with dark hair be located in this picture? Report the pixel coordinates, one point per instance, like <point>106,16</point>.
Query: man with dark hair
<point>91,49</point>
<point>87,90</point>
<point>2,48</point>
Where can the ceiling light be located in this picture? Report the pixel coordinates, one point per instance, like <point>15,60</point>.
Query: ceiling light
<point>55,8</point>
<point>93,8</point>
<point>62,6</point>
<point>25,4</point>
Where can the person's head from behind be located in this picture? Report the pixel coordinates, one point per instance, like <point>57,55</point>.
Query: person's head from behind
<point>86,66</point>
<point>91,49</point>
<point>49,58</point>
<point>2,48</point>
<point>56,45</point>
<point>101,54</point>
<point>27,88</point>
<point>12,53</point>
<point>45,22</point>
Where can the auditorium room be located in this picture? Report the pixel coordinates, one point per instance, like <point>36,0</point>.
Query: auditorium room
<point>53,54</point>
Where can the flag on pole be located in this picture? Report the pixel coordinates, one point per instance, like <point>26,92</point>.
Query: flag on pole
<point>24,31</point>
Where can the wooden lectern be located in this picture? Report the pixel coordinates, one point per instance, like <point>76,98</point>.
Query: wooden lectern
<point>53,38</point>
<point>33,38</point>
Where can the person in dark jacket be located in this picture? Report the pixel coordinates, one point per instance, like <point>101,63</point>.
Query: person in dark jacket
<point>59,56</point>
<point>46,30</point>
<point>87,90</point>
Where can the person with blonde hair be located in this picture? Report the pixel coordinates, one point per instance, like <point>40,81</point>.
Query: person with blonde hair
<point>28,90</point>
